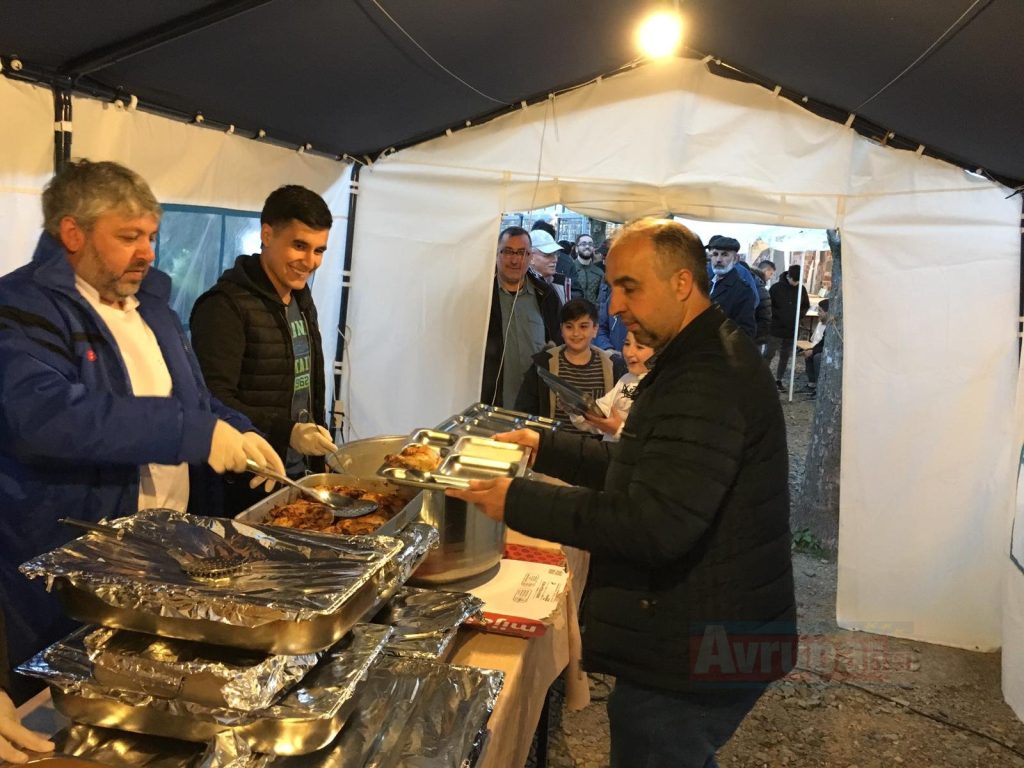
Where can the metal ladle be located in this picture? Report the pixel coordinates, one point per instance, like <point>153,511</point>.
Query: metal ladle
<point>341,505</point>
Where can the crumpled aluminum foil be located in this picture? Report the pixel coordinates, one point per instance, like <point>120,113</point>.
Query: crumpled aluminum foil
<point>417,539</point>
<point>409,712</point>
<point>198,672</point>
<point>320,695</point>
<point>299,578</point>
<point>426,620</point>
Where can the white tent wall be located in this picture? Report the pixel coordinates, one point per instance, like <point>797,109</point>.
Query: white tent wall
<point>183,164</point>
<point>26,163</point>
<point>1013,602</point>
<point>931,277</point>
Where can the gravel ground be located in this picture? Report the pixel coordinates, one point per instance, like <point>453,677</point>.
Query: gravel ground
<point>856,700</point>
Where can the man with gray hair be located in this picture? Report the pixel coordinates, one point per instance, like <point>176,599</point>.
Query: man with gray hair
<point>103,409</point>
<point>690,595</point>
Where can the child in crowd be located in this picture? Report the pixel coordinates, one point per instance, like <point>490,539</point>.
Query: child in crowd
<point>577,362</point>
<point>620,399</point>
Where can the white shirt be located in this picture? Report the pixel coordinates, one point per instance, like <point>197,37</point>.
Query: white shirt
<point>160,485</point>
<point>616,398</point>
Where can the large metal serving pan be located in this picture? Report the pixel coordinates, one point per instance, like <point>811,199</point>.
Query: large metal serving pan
<point>303,719</point>
<point>482,420</point>
<point>303,596</point>
<point>258,513</point>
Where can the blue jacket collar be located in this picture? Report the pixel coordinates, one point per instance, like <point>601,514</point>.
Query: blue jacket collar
<point>54,271</point>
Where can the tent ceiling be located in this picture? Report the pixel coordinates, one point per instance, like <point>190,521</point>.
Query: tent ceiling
<point>343,77</point>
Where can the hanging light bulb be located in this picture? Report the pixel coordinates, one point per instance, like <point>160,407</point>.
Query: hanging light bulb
<point>660,34</point>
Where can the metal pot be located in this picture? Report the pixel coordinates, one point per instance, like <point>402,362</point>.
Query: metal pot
<point>470,542</point>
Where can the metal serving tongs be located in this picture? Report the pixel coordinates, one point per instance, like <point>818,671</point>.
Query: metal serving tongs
<point>341,505</point>
<point>194,566</point>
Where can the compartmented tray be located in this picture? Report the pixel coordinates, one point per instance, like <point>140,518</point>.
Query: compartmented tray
<point>259,513</point>
<point>482,420</point>
<point>426,620</point>
<point>302,719</point>
<point>214,675</point>
<point>462,459</point>
<point>305,593</point>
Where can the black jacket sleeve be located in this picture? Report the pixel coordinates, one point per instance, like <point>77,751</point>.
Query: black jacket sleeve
<point>528,399</point>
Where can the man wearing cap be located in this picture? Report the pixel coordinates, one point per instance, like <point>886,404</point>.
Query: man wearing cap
<point>544,263</point>
<point>728,289</point>
<point>785,295</point>
<point>524,317</point>
<point>566,263</point>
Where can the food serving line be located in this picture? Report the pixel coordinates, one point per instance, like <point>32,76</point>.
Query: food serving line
<point>307,648</point>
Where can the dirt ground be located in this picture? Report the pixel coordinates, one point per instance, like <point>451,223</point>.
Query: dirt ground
<point>856,700</point>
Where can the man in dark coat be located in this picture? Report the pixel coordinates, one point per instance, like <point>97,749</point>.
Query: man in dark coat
<point>257,338</point>
<point>524,317</point>
<point>785,295</point>
<point>690,602</point>
<point>729,289</point>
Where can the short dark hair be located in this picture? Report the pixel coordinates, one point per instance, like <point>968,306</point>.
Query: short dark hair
<point>545,226</point>
<point>767,263</point>
<point>675,245</point>
<point>823,305</point>
<point>513,232</point>
<point>581,235</point>
<point>576,309</point>
<point>295,203</point>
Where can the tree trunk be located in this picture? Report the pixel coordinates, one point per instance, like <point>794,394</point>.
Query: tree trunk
<point>816,508</point>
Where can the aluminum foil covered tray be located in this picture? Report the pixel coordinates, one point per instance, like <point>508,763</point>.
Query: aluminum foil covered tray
<point>214,675</point>
<point>301,592</point>
<point>426,620</point>
<point>305,718</point>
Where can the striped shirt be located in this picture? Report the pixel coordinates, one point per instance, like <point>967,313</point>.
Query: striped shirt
<point>588,378</point>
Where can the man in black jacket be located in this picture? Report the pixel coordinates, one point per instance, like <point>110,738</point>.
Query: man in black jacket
<point>728,288</point>
<point>690,602</point>
<point>524,317</point>
<point>258,342</point>
<point>785,295</point>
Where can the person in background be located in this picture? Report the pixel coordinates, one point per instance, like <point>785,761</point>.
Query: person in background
<point>257,337</point>
<point>579,363</point>
<point>523,318</point>
<point>566,264</point>
<point>103,409</point>
<point>763,313</point>
<point>611,331</point>
<point>617,402</point>
<point>686,519</point>
<point>812,356</point>
<point>728,289</point>
<point>767,267</point>
<point>601,252</point>
<point>589,274</point>
<point>785,295</point>
<point>544,263</point>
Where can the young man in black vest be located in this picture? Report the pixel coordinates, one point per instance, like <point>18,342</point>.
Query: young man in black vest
<point>258,342</point>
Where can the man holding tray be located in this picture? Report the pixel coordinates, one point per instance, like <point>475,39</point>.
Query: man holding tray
<point>103,409</point>
<point>690,602</point>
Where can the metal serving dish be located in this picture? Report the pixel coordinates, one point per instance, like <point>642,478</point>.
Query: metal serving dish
<point>306,593</point>
<point>463,459</point>
<point>482,420</point>
<point>259,513</point>
<point>426,620</point>
<point>303,719</point>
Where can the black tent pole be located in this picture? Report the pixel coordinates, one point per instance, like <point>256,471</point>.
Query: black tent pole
<point>61,128</point>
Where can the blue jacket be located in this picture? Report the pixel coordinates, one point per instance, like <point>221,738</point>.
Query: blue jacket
<point>72,435</point>
<point>731,293</point>
<point>611,331</point>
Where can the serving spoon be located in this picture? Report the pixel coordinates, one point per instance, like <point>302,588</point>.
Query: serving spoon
<point>341,505</point>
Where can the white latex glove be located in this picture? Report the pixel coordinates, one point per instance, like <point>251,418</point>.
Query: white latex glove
<point>12,733</point>
<point>260,451</point>
<point>311,440</point>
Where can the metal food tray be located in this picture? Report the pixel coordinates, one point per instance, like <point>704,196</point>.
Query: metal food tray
<point>463,459</point>
<point>303,719</point>
<point>258,513</point>
<point>482,420</point>
<point>303,597</point>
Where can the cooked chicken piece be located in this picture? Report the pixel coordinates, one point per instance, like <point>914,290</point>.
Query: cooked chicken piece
<point>419,457</point>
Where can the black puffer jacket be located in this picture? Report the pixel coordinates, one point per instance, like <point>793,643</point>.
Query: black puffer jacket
<point>692,526</point>
<point>240,335</point>
<point>784,298</point>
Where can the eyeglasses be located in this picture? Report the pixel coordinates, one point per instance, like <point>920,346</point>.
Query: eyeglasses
<point>520,252</point>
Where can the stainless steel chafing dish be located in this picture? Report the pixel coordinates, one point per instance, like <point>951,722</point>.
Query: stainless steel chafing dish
<point>303,719</point>
<point>482,420</point>
<point>303,596</point>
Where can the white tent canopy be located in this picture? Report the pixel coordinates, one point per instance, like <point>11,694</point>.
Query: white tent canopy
<point>931,269</point>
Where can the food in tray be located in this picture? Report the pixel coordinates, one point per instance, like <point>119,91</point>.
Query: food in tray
<point>311,516</point>
<point>422,458</point>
